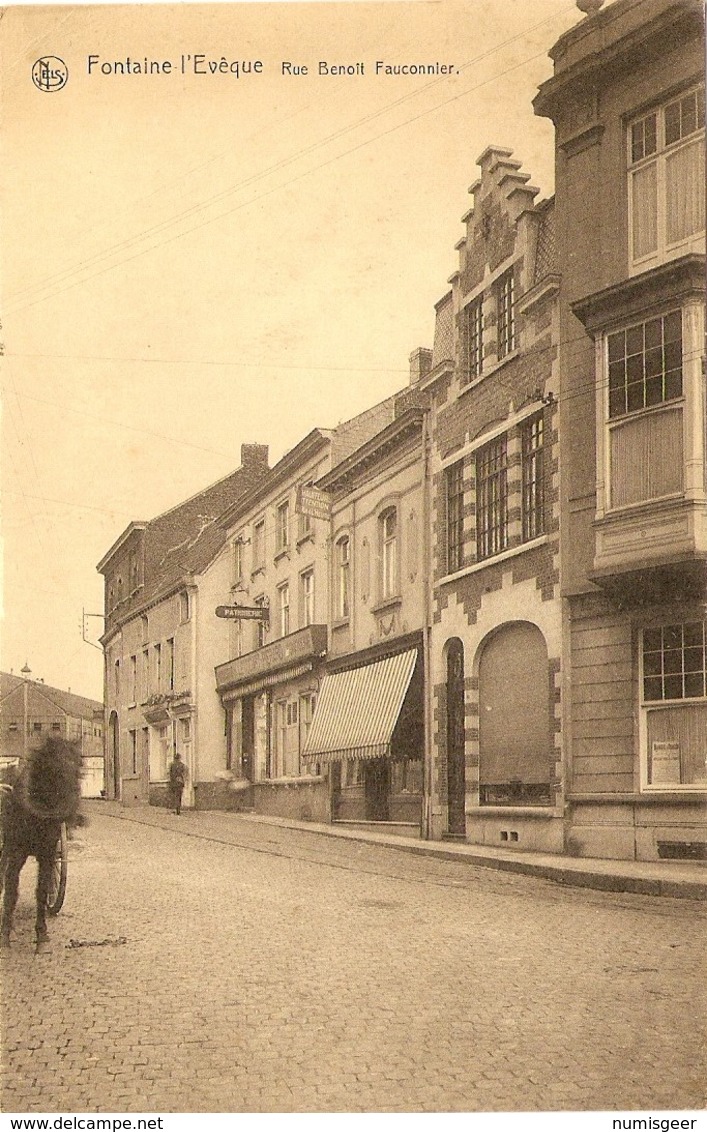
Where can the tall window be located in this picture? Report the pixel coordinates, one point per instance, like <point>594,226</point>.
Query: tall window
<point>283,593</point>
<point>666,160</point>
<point>158,668</point>
<point>133,679</point>
<point>259,545</point>
<point>261,626</point>
<point>343,568</point>
<point>674,704</point>
<point>305,521</point>
<point>492,498</point>
<point>133,752</point>
<point>505,314</point>
<point>473,318</point>
<point>645,364</point>
<point>454,485</point>
<point>238,548</point>
<point>145,673</point>
<point>184,606</point>
<point>532,477</point>
<point>388,531</point>
<point>170,664</point>
<point>282,529</point>
<point>307,597</point>
<point>134,572</point>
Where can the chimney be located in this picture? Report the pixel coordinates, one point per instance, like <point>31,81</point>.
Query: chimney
<point>420,364</point>
<point>254,456</point>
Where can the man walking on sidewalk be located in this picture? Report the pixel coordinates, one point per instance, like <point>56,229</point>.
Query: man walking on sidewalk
<point>177,779</point>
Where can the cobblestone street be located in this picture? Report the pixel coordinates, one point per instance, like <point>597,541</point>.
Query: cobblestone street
<point>230,965</point>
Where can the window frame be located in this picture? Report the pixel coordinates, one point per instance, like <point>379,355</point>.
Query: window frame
<point>388,554</point>
<point>307,609</point>
<point>658,158</point>
<point>488,543</point>
<point>283,607</point>
<point>473,340</point>
<point>667,703</point>
<point>532,476</point>
<point>282,527</point>
<point>343,578</point>
<point>454,515</point>
<point>506,320</point>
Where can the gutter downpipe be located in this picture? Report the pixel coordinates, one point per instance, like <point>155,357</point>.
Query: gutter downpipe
<point>427,584</point>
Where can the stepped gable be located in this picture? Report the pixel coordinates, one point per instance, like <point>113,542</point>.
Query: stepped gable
<point>502,196</point>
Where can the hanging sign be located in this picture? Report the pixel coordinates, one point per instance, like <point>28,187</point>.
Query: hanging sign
<point>313,502</point>
<point>243,612</point>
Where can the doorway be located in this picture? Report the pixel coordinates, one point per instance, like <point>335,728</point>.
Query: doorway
<point>114,732</point>
<point>456,770</point>
<point>376,789</point>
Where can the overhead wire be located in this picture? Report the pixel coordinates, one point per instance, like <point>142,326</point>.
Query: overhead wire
<point>68,272</point>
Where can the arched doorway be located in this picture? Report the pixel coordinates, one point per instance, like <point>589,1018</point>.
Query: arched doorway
<point>114,733</point>
<point>515,743</point>
<point>456,772</point>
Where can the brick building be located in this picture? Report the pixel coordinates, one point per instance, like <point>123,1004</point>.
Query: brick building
<point>496,627</point>
<point>161,639</point>
<point>627,102</point>
<point>31,711</point>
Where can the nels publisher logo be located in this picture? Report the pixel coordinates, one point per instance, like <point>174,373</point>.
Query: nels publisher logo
<point>50,73</point>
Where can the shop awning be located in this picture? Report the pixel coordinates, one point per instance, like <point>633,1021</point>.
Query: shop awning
<point>357,710</point>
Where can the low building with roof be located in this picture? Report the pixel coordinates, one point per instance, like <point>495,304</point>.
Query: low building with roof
<point>161,639</point>
<point>31,710</point>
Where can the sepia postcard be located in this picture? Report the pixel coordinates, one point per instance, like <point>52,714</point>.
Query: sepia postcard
<point>353,698</point>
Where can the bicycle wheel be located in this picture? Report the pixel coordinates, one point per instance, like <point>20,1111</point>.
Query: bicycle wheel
<point>60,868</point>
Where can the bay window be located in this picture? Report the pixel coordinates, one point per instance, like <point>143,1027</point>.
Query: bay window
<point>666,163</point>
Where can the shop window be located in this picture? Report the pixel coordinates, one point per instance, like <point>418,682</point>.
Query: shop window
<point>454,492</point>
<point>492,498</point>
<point>666,169</point>
<point>674,704</point>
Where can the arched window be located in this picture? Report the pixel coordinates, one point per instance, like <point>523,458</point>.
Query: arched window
<point>388,539</point>
<point>343,579</point>
<point>515,744</point>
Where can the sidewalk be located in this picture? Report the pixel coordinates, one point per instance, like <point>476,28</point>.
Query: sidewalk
<point>685,880</point>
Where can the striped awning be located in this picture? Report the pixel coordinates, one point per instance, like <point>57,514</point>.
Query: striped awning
<point>357,710</point>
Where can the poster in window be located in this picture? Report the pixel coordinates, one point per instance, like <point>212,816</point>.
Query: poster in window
<point>665,763</point>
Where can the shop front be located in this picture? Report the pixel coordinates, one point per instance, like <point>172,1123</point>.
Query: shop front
<point>368,728</point>
<point>268,697</point>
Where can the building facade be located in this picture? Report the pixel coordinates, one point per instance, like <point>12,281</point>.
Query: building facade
<point>496,774</point>
<point>267,677</point>
<point>32,711</point>
<point>368,729</point>
<point>162,639</point>
<point>627,102</point>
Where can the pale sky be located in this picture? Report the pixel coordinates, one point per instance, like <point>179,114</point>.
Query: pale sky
<point>191,262</point>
